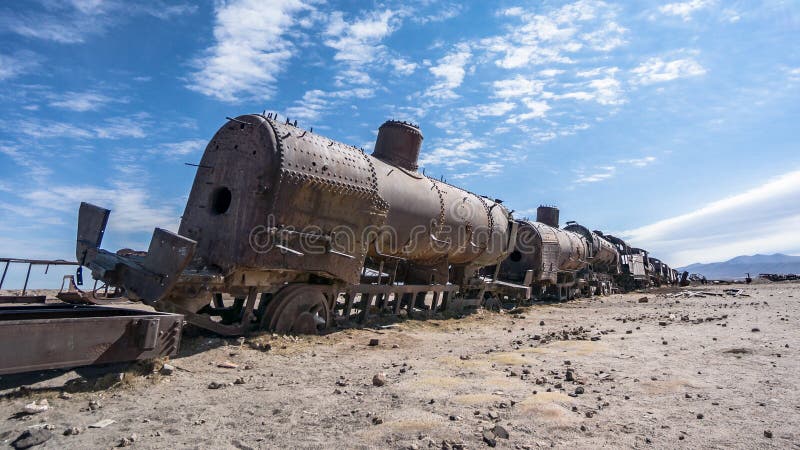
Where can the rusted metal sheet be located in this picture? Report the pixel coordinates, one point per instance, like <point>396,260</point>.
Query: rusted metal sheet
<point>64,336</point>
<point>23,298</point>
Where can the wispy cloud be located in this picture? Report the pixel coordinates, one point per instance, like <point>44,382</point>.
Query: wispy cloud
<point>553,37</point>
<point>358,43</point>
<point>317,102</point>
<point>83,101</point>
<point>17,64</point>
<point>685,10</point>
<point>135,209</point>
<point>638,162</point>
<point>72,21</point>
<point>763,219</point>
<point>597,174</point>
<point>251,48</point>
<point>446,12</point>
<point>657,70</point>
<point>131,126</point>
<point>450,71</point>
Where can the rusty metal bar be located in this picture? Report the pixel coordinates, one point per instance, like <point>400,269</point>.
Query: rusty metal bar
<point>27,276</point>
<point>63,336</point>
<point>4,274</point>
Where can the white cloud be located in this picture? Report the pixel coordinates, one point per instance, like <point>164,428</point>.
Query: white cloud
<point>516,87</point>
<point>450,72</point>
<point>656,70</point>
<point>358,42</point>
<point>550,73</point>
<point>605,90</point>
<point>638,162</point>
<point>764,219</point>
<point>359,47</point>
<point>490,109</point>
<point>135,210</point>
<point>557,35</point>
<point>82,101</point>
<point>536,110</point>
<point>403,67</point>
<point>251,49</point>
<point>598,174</point>
<point>447,12</point>
<point>316,102</point>
<point>685,10</point>
<point>452,152</point>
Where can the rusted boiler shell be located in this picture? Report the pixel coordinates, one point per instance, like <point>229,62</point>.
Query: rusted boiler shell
<point>546,250</point>
<point>277,199</point>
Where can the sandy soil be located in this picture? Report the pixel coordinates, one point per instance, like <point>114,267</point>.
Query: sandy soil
<point>717,372</point>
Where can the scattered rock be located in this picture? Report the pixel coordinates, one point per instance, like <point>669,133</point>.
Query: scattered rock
<point>239,380</point>
<point>768,434</point>
<point>493,415</point>
<point>643,300</point>
<point>30,438</point>
<point>579,390</point>
<point>700,416</point>
<point>167,369</point>
<point>216,385</point>
<point>227,365</point>
<point>374,342</point>
<point>36,407</point>
<point>500,432</point>
<point>127,441</point>
<point>94,405</point>
<point>65,395</point>
<point>377,420</point>
<point>379,379</point>
<point>72,431</point>
<point>569,376</point>
<point>489,438</point>
<point>755,330</point>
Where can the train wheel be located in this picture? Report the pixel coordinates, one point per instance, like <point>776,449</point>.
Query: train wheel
<point>298,309</point>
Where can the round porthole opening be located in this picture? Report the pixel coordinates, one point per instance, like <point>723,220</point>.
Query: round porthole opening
<point>516,256</point>
<point>220,201</point>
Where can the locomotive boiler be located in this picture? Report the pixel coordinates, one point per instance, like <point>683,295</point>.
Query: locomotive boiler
<point>297,228</point>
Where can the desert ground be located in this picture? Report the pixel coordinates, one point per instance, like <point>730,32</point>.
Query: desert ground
<point>617,372</point>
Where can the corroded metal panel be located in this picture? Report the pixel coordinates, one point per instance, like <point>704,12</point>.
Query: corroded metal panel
<point>65,336</point>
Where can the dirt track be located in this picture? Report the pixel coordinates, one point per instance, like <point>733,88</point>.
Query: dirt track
<point>663,374</point>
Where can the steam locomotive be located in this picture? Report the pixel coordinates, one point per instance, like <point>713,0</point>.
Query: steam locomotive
<point>290,231</point>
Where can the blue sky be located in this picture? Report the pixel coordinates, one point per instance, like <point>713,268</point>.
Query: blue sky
<point>673,124</point>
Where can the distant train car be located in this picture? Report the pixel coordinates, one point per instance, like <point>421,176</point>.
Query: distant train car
<point>603,260</point>
<point>633,265</point>
<point>547,258</point>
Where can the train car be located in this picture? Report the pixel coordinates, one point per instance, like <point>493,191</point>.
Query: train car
<point>633,262</point>
<point>549,259</point>
<point>603,259</point>
<point>300,230</point>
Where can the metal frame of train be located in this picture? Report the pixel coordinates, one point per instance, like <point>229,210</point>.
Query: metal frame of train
<point>289,231</point>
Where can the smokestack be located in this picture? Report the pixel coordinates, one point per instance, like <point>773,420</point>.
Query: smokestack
<point>547,215</point>
<point>398,144</point>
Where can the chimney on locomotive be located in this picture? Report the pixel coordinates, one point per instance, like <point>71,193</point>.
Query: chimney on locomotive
<point>547,215</point>
<point>398,144</point>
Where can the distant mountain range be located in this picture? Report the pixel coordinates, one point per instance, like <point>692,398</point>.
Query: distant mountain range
<point>739,266</point>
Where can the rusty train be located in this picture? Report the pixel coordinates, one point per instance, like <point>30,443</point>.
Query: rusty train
<point>287,230</point>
